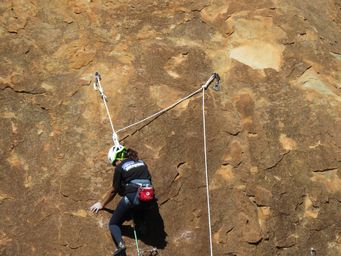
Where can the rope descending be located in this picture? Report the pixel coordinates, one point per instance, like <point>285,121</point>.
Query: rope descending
<point>136,241</point>
<point>206,170</point>
<point>98,87</point>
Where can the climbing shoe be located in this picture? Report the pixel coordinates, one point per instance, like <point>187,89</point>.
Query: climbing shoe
<point>121,250</point>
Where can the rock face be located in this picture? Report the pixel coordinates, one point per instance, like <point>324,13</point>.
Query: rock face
<point>274,129</point>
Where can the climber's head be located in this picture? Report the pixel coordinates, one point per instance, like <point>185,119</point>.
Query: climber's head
<point>132,154</point>
<point>116,153</point>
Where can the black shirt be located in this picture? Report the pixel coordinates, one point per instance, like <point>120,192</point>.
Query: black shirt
<point>129,170</point>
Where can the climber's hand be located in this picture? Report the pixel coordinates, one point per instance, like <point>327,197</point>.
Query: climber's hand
<point>96,207</point>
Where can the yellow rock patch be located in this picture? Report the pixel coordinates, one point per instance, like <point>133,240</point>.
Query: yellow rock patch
<point>14,160</point>
<point>4,239</point>
<point>8,114</point>
<point>309,210</point>
<point>164,96</point>
<point>335,246</point>
<point>287,143</point>
<point>315,145</point>
<point>330,179</point>
<point>255,42</point>
<point>263,214</point>
<point>254,170</point>
<point>315,84</point>
<point>28,181</point>
<point>14,127</point>
<point>259,55</point>
<point>216,10</point>
<point>4,196</point>
<point>224,175</point>
<point>173,64</point>
<point>80,213</point>
<point>47,87</point>
<point>77,53</point>
<point>221,235</point>
<point>122,54</point>
<point>146,32</point>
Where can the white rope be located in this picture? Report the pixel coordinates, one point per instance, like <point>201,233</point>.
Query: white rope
<point>205,86</point>
<point>98,87</point>
<point>206,172</point>
<point>160,112</point>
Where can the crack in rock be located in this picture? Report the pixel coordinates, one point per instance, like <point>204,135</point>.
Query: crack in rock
<point>22,91</point>
<point>326,170</point>
<point>280,160</point>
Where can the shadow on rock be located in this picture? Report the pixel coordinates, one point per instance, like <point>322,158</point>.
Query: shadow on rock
<point>149,225</point>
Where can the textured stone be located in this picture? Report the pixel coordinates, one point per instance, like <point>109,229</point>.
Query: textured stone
<point>273,130</point>
<point>259,55</point>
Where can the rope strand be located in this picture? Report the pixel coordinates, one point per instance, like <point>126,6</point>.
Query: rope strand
<point>205,86</point>
<point>98,87</point>
<point>136,241</point>
<point>206,171</point>
<point>159,112</point>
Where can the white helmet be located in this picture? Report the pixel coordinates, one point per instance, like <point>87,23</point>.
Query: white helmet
<point>116,153</point>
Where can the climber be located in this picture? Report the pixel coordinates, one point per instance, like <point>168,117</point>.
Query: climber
<point>132,181</point>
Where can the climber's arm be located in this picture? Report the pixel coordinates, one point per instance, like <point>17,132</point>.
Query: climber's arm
<point>108,197</point>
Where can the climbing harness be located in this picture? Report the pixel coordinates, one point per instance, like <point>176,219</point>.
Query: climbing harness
<point>98,87</point>
<point>203,88</point>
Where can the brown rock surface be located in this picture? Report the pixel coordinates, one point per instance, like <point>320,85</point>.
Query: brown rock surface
<point>274,129</point>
